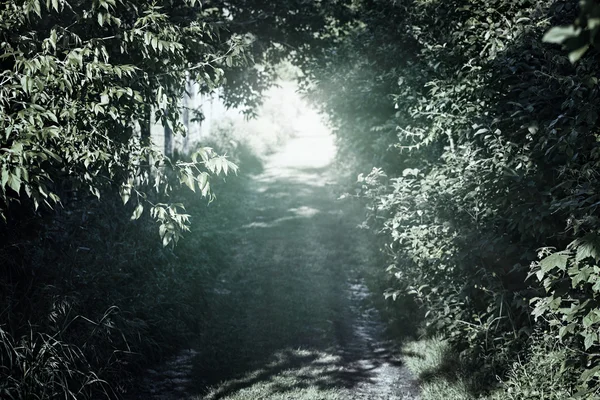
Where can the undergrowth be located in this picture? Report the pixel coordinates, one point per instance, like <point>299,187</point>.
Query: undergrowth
<point>90,298</point>
<point>541,373</point>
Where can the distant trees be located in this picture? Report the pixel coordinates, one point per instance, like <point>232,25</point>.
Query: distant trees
<point>78,78</point>
<point>78,81</point>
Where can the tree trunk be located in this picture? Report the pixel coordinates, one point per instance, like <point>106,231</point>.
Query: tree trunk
<point>168,141</point>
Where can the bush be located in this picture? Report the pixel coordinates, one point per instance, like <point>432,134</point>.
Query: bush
<point>545,375</point>
<point>438,368</point>
<point>91,298</point>
<point>481,141</point>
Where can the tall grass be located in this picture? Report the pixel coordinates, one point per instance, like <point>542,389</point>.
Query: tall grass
<point>540,374</point>
<point>40,366</point>
<point>90,299</point>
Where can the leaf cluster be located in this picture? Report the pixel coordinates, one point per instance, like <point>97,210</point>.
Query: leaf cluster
<point>484,147</point>
<point>78,82</point>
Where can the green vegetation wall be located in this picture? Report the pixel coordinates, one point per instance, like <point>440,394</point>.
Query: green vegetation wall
<point>89,294</point>
<point>481,141</point>
<point>484,148</point>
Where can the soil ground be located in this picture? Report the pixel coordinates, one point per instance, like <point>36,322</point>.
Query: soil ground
<point>291,316</point>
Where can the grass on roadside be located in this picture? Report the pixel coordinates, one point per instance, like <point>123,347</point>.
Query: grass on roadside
<point>444,377</point>
<point>437,368</point>
<point>292,374</point>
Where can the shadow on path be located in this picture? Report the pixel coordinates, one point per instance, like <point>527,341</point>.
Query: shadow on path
<point>290,320</point>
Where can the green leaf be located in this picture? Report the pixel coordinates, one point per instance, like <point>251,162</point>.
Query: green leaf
<point>190,182</point>
<point>590,373</point>
<point>206,189</point>
<point>53,37</point>
<point>4,178</point>
<point>54,197</point>
<point>14,182</point>
<point>167,239</point>
<point>590,338</point>
<point>52,116</point>
<point>556,260</point>
<point>125,194</point>
<point>566,329</point>
<point>587,247</point>
<point>204,153</point>
<point>578,53</point>
<point>580,274</point>
<point>555,303</point>
<point>37,8</point>
<point>139,209</point>
<point>559,34</point>
<point>591,318</point>
<point>202,180</point>
<point>26,83</point>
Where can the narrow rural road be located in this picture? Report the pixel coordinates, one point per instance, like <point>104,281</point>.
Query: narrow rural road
<point>301,326</point>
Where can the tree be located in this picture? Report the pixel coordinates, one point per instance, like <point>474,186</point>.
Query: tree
<point>482,146</point>
<point>78,79</point>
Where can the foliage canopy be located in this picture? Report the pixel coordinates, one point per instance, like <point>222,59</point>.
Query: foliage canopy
<point>482,145</point>
<point>479,132</point>
<point>78,82</point>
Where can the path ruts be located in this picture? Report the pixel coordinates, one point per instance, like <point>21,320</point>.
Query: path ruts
<point>300,322</point>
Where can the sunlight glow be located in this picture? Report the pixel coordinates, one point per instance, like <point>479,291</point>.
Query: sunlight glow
<point>311,149</point>
<point>313,145</point>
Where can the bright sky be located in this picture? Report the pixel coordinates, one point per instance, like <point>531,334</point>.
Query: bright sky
<point>312,148</point>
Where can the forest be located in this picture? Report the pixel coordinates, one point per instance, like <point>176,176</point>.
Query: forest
<point>422,225</point>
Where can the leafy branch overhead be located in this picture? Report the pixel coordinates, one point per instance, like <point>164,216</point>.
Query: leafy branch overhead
<point>482,142</point>
<point>77,82</point>
<point>578,37</point>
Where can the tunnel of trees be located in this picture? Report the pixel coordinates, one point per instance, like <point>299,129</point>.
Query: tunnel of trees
<point>471,127</point>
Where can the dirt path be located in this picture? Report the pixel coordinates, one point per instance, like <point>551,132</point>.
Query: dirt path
<point>300,325</point>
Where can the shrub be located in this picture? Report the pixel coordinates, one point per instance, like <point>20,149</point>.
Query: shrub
<point>40,366</point>
<point>545,375</point>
